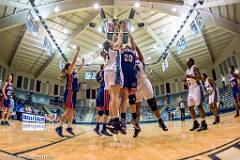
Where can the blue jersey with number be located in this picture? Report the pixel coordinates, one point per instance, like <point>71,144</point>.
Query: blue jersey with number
<point>128,61</point>
<point>100,78</point>
<point>72,82</point>
<point>8,90</point>
<point>233,81</point>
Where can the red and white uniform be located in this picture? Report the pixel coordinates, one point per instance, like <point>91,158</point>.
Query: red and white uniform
<point>212,91</point>
<point>195,93</point>
<point>144,87</point>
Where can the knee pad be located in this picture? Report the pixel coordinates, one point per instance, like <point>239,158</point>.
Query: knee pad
<point>152,104</point>
<point>132,99</point>
<point>106,112</point>
<point>100,113</point>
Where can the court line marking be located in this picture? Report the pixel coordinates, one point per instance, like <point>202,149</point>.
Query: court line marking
<point>213,156</point>
<point>50,144</point>
<point>210,150</point>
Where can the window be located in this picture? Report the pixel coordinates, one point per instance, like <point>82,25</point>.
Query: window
<point>44,88</point>
<point>168,89</point>
<point>229,62</point>
<point>157,90</point>
<point>174,87</point>
<point>214,75</point>
<point>61,90</point>
<point>32,83</point>
<point>19,82</point>
<point>221,69</point>
<point>93,94</point>
<point>180,86</point>
<point>25,83</point>
<point>50,88</point>
<point>4,74</point>
<point>55,89</point>
<point>0,71</point>
<point>88,92</point>
<point>225,67</point>
<point>234,62</point>
<point>38,86</point>
<point>162,89</point>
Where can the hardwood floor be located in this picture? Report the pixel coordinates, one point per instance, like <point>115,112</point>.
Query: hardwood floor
<point>221,141</point>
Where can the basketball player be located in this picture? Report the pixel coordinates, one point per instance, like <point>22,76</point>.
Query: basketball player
<point>7,93</point>
<point>195,94</point>
<point>102,101</point>
<point>70,95</point>
<point>113,77</point>
<point>235,89</point>
<point>211,88</point>
<point>145,92</point>
<point>128,92</point>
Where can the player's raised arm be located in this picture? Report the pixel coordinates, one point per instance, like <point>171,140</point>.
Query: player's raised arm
<point>140,55</point>
<point>133,44</point>
<point>81,66</point>
<point>72,65</point>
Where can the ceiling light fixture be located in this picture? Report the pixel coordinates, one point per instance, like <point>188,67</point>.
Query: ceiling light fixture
<point>56,9</point>
<point>132,29</point>
<point>65,31</point>
<point>96,6</point>
<point>99,29</point>
<point>174,9</point>
<point>137,4</point>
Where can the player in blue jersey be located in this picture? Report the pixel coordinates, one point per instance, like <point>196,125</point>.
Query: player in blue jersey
<point>235,89</point>
<point>7,93</point>
<point>70,95</point>
<point>102,104</point>
<point>128,92</point>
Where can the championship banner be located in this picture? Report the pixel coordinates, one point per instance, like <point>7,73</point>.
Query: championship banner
<point>194,28</point>
<point>165,65</point>
<point>199,21</point>
<point>47,46</point>
<point>31,25</point>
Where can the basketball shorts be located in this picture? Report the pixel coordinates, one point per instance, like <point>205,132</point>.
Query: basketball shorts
<point>144,91</point>
<point>213,97</point>
<point>130,80</point>
<point>195,96</point>
<point>112,78</point>
<point>235,92</point>
<point>70,99</point>
<point>102,100</point>
<point>7,102</point>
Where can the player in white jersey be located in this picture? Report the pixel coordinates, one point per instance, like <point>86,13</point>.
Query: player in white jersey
<point>145,92</point>
<point>113,77</point>
<point>210,86</point>
<point>195,94</point>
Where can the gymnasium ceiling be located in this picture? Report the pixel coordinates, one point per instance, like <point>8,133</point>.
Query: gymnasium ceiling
<point>24,52</point>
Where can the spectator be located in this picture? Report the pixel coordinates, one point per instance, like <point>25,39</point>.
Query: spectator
<point>182,110</point>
